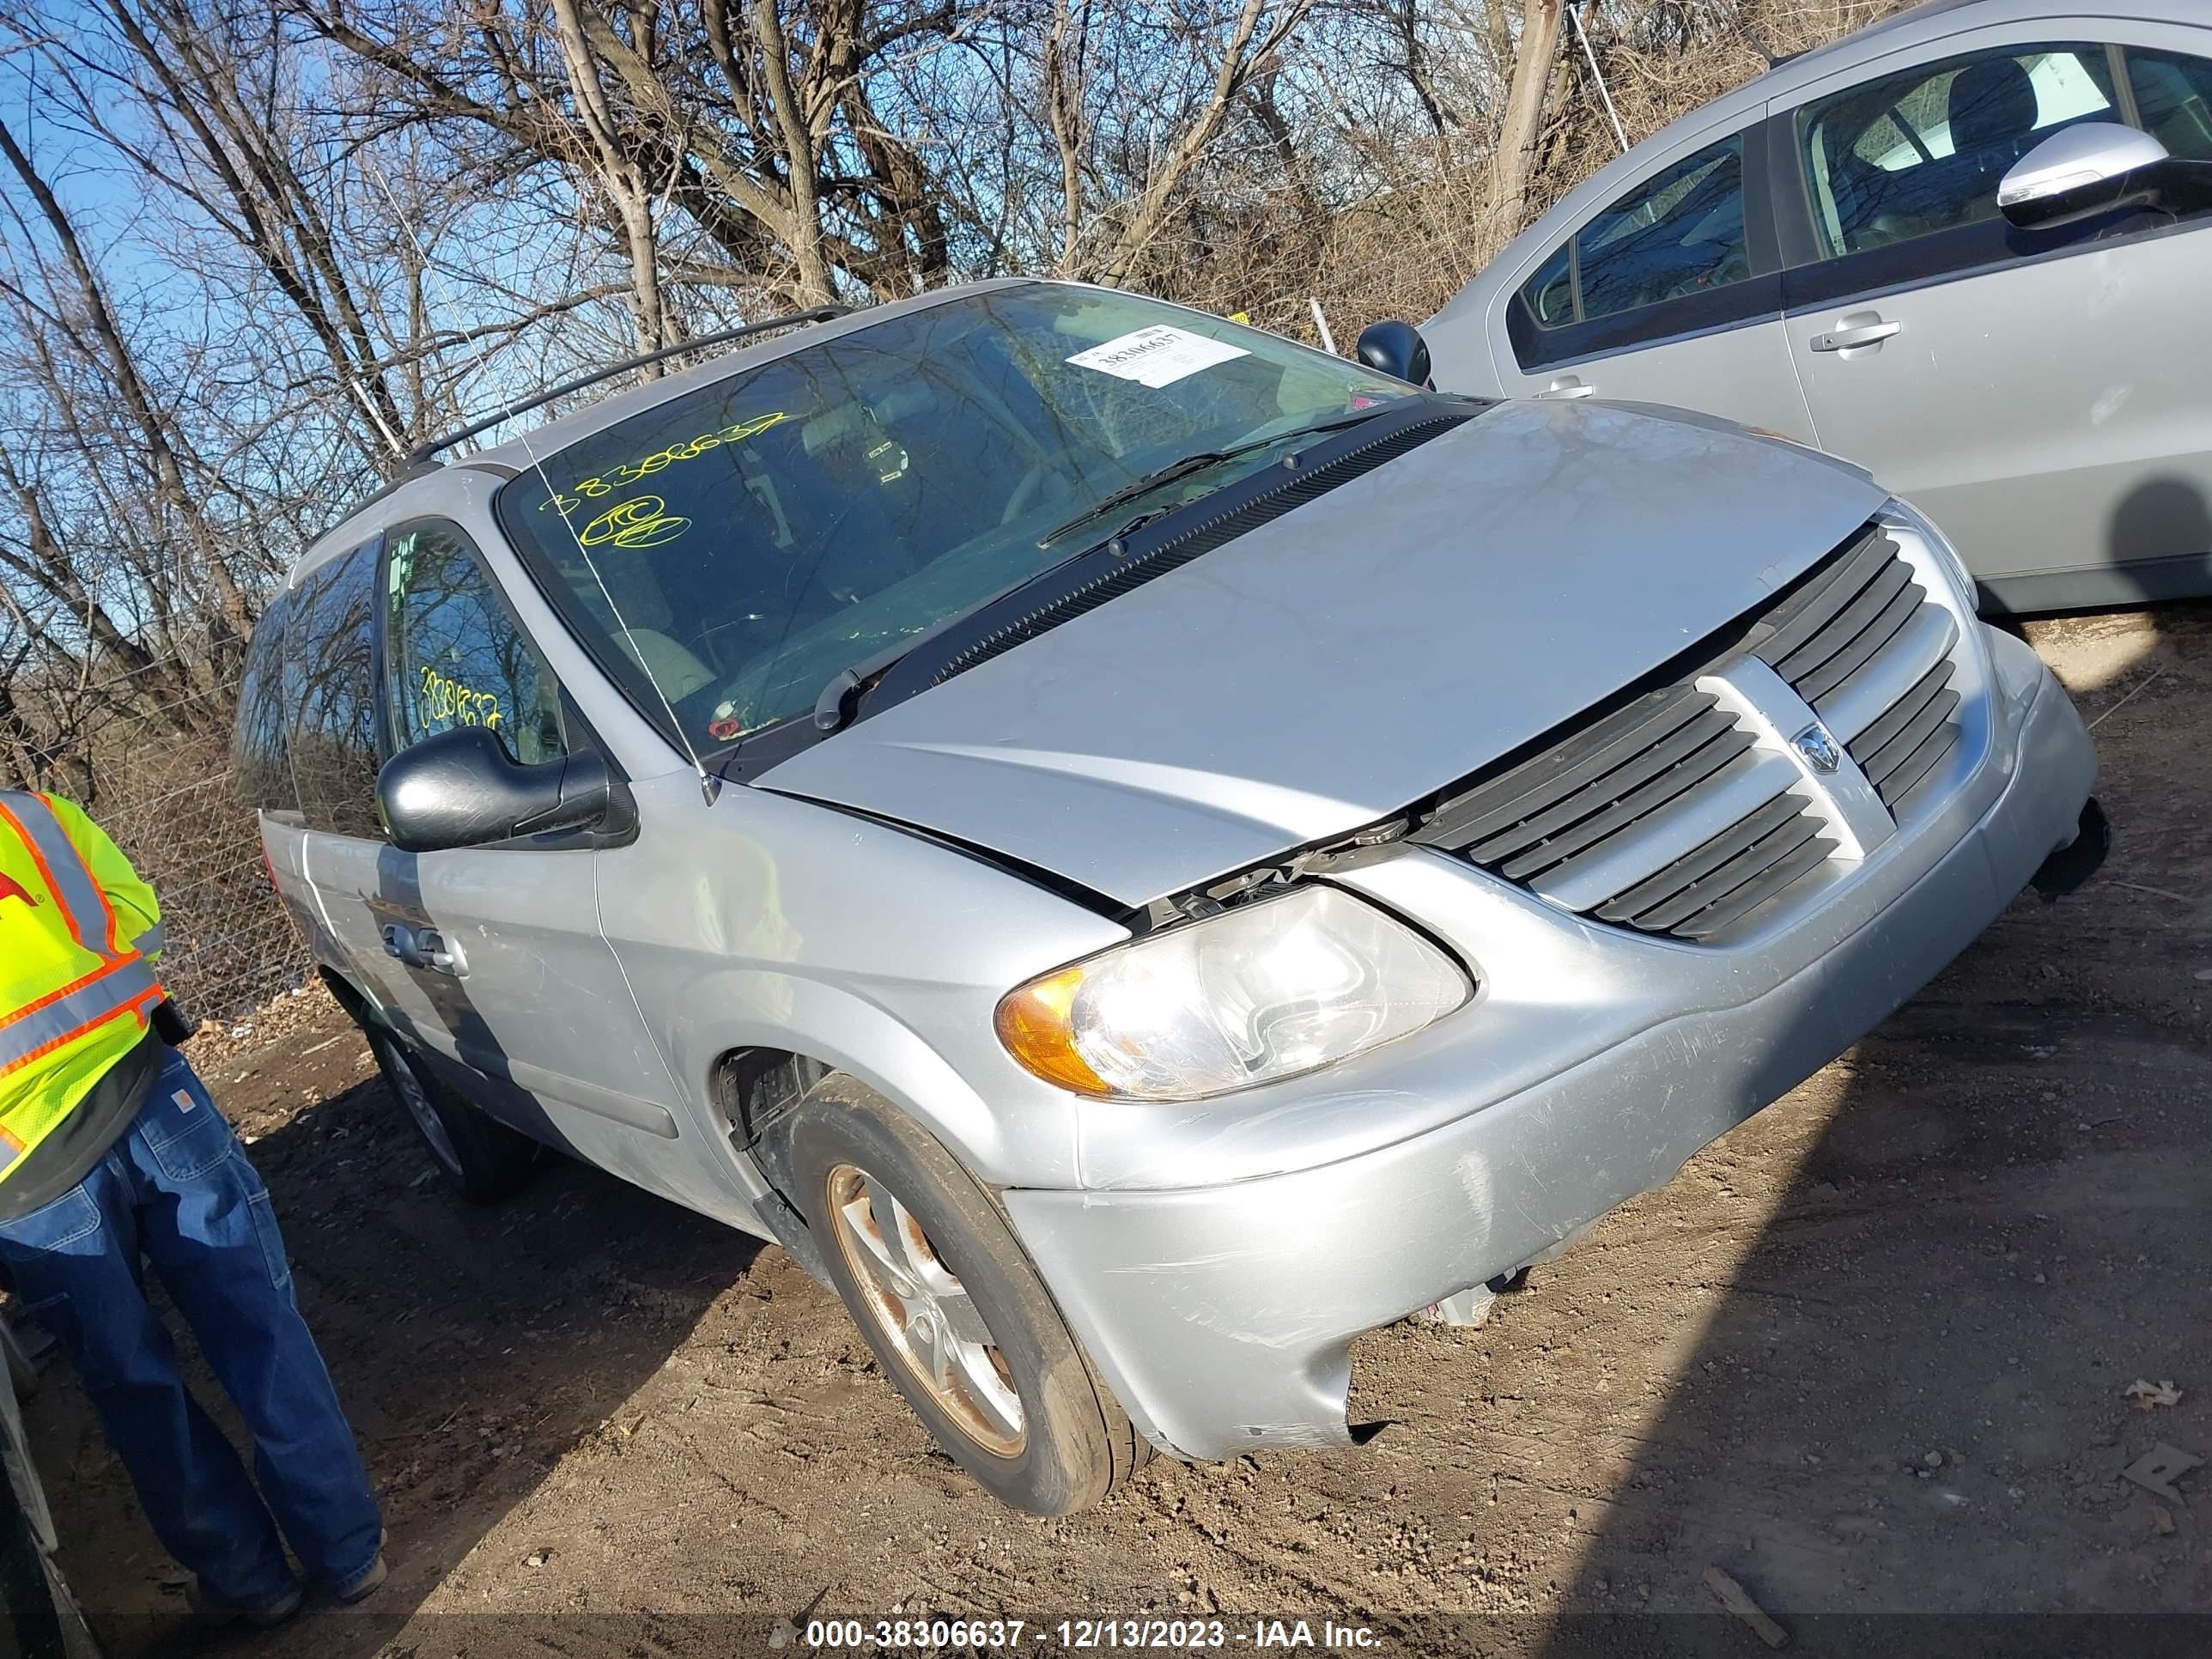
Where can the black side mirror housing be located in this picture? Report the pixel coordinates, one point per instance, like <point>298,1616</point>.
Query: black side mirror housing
<point>461,788</point>
<point>1395,349</point>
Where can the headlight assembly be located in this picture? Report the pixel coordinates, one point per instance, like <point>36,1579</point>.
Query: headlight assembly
<point>1898,515</point>
<point>1262,991</point>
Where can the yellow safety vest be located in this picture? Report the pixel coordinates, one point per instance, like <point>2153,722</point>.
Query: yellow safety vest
<point>77,929</point>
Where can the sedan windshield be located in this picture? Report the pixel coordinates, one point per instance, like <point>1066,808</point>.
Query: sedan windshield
<point>729,551</point>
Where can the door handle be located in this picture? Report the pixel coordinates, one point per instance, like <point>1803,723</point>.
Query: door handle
<point>1854,332</point>
<point>425,947</point>
<point>1567,385</point>
<point>438,954</point>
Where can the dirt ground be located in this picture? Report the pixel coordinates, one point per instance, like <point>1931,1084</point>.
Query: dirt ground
<point>1867,1354</point>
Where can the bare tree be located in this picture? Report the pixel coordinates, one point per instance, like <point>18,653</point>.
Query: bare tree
<point>621,177</point>
<point>1533,58</point>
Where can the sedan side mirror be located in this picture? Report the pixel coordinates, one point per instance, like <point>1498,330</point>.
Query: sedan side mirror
<point>2090,168</point>
<point>461,788</point>
<point>1395,349</point>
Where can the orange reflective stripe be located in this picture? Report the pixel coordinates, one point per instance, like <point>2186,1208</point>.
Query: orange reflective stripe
<point>124,980</point>
<point>38,857</point>
<point>76,889</point>
<point>114,928</point>
<point>11,1148</point>
<point>68,990</point>
<point>136,1006</point>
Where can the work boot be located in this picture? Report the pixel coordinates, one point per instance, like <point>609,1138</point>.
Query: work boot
<point>216,1611</point>
<point>366,1582</point>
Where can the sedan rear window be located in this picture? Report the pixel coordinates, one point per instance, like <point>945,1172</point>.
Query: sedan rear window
<point>728,552</point>
<point>1677,233</point>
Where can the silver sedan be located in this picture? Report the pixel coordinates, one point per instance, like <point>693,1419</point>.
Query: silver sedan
<point>1968,248</point>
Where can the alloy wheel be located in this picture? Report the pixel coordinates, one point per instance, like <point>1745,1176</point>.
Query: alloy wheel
<point>924,1310</point>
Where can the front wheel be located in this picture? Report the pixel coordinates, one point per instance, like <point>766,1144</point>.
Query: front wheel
<point>942,1291</point>
<point>483,1157</point>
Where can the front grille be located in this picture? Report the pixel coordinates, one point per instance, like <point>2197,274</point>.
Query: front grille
<point>1860,643</point>
<point>1669,816</point>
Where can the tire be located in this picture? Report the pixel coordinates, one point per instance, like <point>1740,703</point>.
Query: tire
<point>481,1156</point>
<point>975,1343</point>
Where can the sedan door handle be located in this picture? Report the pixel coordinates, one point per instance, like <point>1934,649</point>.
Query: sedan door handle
<point>1872,331</point>
<point>1567,385</point>
<point>440,957</point>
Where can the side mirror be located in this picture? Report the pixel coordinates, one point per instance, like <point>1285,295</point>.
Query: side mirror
<point>2092,168</point>
<point>461,788</point>
<point>1395,349</point>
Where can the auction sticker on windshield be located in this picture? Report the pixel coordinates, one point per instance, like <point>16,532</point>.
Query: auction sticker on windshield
<point>1156,356</point>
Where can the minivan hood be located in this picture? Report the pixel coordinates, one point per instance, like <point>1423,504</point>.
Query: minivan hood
<point>1329,668</point>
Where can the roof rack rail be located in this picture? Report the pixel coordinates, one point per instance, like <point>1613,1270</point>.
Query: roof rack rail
<point>813,314</point>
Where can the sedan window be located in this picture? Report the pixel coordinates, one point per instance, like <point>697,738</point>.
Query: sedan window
<point>2173,94</point>
<point>1922,152</point>
<point>1550,294</point>
<point>1680,233</point>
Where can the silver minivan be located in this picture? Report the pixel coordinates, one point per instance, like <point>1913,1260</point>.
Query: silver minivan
<point>1968,248</point>
<point>1137,850</point>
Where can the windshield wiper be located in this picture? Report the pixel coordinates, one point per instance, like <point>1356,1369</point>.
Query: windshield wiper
<point>839,700</point>
<point>839,697</point>
<point>1183,467</point>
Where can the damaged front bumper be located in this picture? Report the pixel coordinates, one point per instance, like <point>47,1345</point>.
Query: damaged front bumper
<point>1594,1064</point>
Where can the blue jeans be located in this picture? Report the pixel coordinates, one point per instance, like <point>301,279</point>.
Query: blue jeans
<point>176,1190</point>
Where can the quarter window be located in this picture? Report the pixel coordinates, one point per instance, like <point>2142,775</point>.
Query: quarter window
<point>1550,294</point>
<point>455,654</point>
<point>1923,152</point>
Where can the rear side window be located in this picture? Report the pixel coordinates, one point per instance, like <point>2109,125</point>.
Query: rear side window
<point>1681,233</point>
<point>1923,151</point>
<point>2173,97</point>
<point>455,654</point>
<point>330,685</point>
<point>260,770</point>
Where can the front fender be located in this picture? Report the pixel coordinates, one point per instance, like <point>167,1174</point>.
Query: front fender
<point>764,921</point>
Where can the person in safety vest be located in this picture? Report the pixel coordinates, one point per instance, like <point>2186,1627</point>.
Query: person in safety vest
<point>110,1149</point>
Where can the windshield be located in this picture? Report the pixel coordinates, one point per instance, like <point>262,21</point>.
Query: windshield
<point>733,549</point>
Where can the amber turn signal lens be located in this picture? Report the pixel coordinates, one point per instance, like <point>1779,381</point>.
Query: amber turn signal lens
<point>1034,1024</point>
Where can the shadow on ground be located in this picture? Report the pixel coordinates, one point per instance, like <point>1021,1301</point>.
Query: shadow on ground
<point>1909,1394</point>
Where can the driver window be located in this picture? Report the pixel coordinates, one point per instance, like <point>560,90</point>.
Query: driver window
<point>1680,233</point>
<point>1923,152</point>
<point>453,654</point>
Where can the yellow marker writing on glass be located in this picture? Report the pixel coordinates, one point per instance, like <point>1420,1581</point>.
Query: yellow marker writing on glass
<point>630,472</point>
<point>640,521</point>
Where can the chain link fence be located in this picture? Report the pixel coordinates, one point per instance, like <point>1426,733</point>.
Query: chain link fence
<point>154,771</point>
